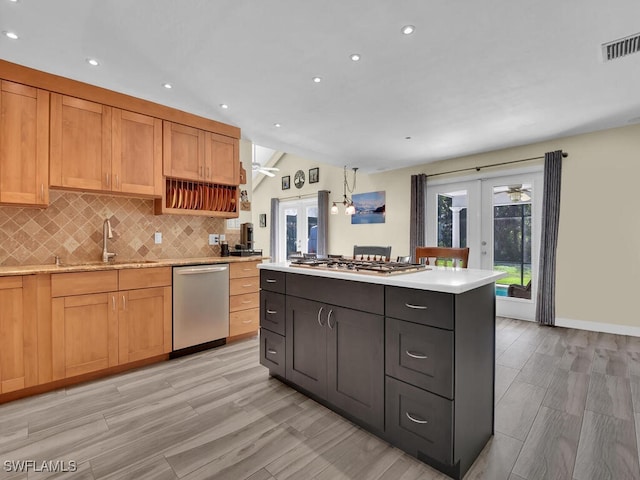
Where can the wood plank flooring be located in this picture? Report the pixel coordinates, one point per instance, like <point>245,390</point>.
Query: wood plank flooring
<point>567,407</point>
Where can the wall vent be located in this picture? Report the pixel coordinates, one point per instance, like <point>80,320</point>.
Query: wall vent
<point>620,48</point>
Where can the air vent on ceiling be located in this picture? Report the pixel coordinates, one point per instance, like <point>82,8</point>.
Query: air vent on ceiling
<point>620,48</point>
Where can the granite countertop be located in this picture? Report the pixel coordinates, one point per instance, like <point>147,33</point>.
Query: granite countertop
<point>438,279</point>
<point>119,265</point>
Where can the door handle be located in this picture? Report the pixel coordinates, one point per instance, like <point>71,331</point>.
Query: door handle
<point>271,351</point>
<point>271,280</point>
<point>415,419</point>
<point>271,312</point>
<point>329,320</point>
<point>416,307</point>
<point>319,314</point>
<point>418,355</point>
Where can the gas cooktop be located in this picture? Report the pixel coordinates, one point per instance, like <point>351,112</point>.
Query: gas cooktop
<point>358,266</point>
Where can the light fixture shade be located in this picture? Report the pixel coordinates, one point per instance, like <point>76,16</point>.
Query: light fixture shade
<point>515,196</point>
<point>350,210</point>
<point>334,209</point>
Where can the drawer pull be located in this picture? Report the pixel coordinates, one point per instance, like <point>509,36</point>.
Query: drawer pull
<point>247,285</point>
<point>271,280</point>
<point>417,355</point>
<point>247,321</point>
<point>415,420</point>
<point>271,351</point>
<point>416,307</point>
<point>246,302</point>
<point>329,319</point>
<point>271,312</point>
<point>320,313</point>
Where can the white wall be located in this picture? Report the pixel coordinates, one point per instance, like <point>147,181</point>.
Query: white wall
<point>598,264</point>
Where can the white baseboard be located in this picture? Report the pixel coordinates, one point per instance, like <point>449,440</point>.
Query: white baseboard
<point>598,327</point>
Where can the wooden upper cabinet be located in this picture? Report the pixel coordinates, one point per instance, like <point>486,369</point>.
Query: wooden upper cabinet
<point>24,144</point>
<point>222,160</point>
<point>183,150</point>
<point>137,153</point>
<point>80,144</point>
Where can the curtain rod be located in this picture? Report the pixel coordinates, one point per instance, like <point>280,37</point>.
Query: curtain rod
<point>477,169</point>
<point>307,195</point>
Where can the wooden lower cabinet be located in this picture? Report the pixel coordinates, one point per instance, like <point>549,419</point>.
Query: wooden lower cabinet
<point>95,331</point>
<point>18,333</point>
<point>84,334</point>
<point>244,298</point>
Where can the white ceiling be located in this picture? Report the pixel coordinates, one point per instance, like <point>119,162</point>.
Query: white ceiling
<point>475,76</point>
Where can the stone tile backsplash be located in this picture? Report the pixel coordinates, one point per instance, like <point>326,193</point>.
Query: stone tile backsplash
<point>71,228</point>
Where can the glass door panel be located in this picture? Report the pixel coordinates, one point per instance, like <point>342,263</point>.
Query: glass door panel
<point>297,233</point>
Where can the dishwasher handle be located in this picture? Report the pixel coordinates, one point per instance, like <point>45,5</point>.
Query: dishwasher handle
<point>200,270</point>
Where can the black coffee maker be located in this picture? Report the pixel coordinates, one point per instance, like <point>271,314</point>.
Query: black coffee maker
<point>246,236</point>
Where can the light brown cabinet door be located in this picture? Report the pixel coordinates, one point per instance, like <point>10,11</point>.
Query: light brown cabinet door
<point>144,323</point>
<point>18,334</point>
<point>84,334</point>
<point>222,161</point>
<point>137,153</point>
<point>183,150</point>
<point>80,152</point>
<point>24,144</point>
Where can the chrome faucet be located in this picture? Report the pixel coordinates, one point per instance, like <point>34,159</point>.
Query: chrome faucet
<point>106,233</point>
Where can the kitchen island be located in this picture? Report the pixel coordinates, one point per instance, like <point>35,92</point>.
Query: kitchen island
<point>408,357</point>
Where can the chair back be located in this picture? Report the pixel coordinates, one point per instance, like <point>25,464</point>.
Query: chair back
<point>364,252</point>
<point>459,255</point>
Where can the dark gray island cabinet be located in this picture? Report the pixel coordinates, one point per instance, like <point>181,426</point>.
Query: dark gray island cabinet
<point>413,365</point>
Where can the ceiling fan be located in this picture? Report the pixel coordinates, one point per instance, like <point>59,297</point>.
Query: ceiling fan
<point>516,193</point>
<point>256,167</point>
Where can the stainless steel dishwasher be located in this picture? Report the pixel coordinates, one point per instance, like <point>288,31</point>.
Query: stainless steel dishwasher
<point>200,306</point>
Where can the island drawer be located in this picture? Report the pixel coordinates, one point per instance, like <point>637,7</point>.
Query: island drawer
<point>272,353</point>
<point>272,281</point>
<point>419,422</point>
<point>420,355</point>
<point>367,297</point>
<point>435,309</point>
<point>272,311</point>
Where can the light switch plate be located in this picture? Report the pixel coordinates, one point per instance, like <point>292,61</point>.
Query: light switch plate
<point>214,239</point>
<point>223,237</point>
<point>157,238</point>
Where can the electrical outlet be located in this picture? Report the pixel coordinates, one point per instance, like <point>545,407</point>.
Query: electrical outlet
<point>214,239</point>
<point>157,238</point>
<point>223,237</point>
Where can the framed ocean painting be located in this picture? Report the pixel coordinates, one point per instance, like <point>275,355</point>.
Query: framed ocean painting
<point>370,208</point>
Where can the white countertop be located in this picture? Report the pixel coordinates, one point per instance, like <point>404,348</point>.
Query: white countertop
<point>437,279</point>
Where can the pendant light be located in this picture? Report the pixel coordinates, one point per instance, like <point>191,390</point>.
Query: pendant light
<point>350,208</point>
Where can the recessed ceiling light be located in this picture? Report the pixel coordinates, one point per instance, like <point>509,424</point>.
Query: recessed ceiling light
<point>355,57</point>
<point>277,125</point>
<point>167,85</point>
<point>317,79</point>
<point>224,105</point>
<point>14,1</point>
<point>408,29</point>
<point>93,62</point>
<point>407,138</point>
<point>11,35</point>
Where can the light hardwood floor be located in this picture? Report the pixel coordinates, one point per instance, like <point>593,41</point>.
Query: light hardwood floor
<point>567,407</point>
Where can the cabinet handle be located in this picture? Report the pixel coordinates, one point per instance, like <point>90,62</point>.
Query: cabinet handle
<point>271,280</point>
<point>42,192</point>
<point>247,269</point>
<point>208,172</point>
<point>247,321</point>
<point>329,319</point>
<point>113,302</point>
<point>320,313</point>
<point>271,351</point>
<point>117,181</point>
<point>416,307</point>
<point>247,285</point>
<point>271,312</point>
<point>200,171</point>
<point>246,302</point>
<point>108,184</point>
<point>414,419</point>
<point>419,356</point>
<point>124,303</point>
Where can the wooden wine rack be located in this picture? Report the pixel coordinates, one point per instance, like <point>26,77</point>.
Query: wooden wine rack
<point>187,197</point>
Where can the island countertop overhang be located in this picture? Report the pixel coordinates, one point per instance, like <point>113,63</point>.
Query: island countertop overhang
<point>436,279</point>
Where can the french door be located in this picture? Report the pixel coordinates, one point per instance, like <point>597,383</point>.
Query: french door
<point>498,218</point>
<point>297,220</point>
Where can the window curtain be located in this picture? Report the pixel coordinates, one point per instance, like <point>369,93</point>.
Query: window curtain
<point>323,222</point>
<point>417,227</point>
<point>273,233</point>
<point>546,299</point>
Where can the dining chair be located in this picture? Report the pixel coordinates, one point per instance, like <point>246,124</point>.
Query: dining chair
<point>460,256</point>
<point>368,252</point>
